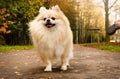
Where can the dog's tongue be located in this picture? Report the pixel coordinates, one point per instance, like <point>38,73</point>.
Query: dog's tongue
<point>49,25</point>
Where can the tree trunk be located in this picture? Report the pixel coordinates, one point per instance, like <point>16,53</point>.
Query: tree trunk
<point>107,19</point>
<point>107,8</point>
<point>106,25</point>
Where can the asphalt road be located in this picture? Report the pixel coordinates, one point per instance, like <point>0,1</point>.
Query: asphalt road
<point>88,63</point>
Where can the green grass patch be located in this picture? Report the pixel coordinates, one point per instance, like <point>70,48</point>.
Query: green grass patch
<point>14,48</point>
<point>114,47</point>
<point>110,48</point>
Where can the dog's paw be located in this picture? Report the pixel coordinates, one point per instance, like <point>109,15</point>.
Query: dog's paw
<point>48,68</point>
<point>64,68</point>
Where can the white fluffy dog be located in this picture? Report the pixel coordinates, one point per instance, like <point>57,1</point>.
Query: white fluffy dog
<point>52,37</point>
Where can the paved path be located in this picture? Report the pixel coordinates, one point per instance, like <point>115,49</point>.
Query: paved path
<point>88,63</point>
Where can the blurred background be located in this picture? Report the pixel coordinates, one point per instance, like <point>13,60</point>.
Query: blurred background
<point>89,19</point>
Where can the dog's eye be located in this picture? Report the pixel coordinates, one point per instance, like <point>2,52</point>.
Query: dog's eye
<point>45,19</point>
<point>53,18</point>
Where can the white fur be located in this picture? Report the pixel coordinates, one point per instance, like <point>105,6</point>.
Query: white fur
<point>55,42</point>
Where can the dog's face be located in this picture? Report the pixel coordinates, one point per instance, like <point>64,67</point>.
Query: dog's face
<point>51,17</point>
<point>49,22</point>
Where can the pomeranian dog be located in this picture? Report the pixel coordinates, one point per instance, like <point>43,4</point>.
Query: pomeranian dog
<point>52,36</point>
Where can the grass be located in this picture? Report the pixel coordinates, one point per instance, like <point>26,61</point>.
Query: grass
<point>14,48</point>
<point>114,47</point>
<point>111,48</point>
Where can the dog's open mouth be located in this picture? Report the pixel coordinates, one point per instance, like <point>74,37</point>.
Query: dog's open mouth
<point>49,25</point>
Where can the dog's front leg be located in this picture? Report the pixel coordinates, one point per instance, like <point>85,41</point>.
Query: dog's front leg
<point>65,63</point>
<point>49,66</point>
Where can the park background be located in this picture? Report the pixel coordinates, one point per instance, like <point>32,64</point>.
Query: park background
<point>89,19</point>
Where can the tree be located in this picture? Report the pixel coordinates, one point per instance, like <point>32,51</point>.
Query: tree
<point>4,22</point>
<point>117,8</point>
<point>20,13</point>
<point>107,8</point>
<point>91,21</point>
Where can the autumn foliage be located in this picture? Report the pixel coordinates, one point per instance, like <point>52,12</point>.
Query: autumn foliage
<point>85,16</point>
<point>4,23</point>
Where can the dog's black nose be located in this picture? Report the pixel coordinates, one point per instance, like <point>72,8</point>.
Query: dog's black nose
<point>48,20</point>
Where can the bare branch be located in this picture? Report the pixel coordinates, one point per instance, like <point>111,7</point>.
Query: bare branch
<point>116,9</point>
<point>113,4</point>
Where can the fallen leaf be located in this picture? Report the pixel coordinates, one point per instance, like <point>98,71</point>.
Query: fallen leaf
<point>17,73</point>
<point>16,67</point>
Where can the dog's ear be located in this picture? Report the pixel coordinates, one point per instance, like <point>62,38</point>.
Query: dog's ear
<point>56,8</point>
<point>42,9</point>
